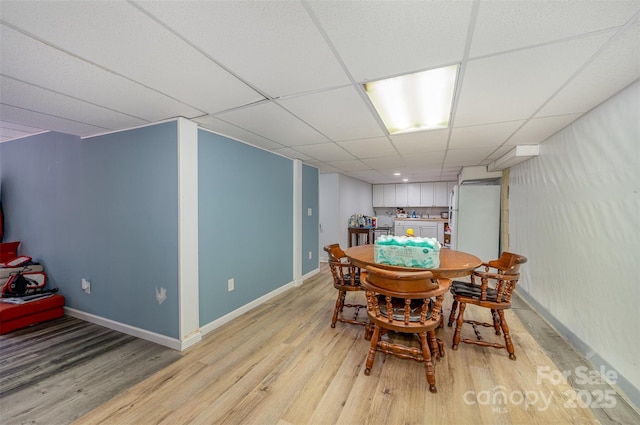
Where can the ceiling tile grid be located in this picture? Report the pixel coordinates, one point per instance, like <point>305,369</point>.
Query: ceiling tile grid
<point>286,76</point>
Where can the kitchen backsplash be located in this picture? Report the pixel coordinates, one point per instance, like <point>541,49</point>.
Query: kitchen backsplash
<point>385,216</point>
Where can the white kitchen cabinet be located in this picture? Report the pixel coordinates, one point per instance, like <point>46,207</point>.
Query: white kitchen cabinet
<point>413,194</point>
<point>426,194</point>
<point>378,195</point>
<point>389,193</point>
<point>401,196</point>
<point>440,194</point>
<point>428,229</point>
<point>384,195</point>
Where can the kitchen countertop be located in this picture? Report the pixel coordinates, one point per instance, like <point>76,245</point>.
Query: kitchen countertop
<point>421,219</point>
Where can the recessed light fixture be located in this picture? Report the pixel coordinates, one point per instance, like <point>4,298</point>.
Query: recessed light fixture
<point>405,180</point>
<point>396,174</point>
<point>415,102</point>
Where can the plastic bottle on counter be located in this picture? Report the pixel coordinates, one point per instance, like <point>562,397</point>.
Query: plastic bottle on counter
<point>374,222</point>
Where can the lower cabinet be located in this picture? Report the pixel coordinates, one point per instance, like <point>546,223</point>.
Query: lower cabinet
<point>429,230</point>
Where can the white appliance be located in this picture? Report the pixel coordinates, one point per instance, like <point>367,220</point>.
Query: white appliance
<point>474,218</point>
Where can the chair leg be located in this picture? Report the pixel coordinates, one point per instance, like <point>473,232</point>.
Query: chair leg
<point>428,364</point>
<point>456,335</point>
<point>433,343</point>
<point>338,309</point>
<point>452,315</point>
<point>496,321</point>
<point>372,350</point>
<point>507,336</point>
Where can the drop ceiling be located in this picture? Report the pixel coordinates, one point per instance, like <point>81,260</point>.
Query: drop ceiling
<point>287,76</point>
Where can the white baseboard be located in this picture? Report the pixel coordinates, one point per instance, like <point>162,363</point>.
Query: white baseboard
<point>245,308</point>
<point>164,340</point>
<point>192,338</point>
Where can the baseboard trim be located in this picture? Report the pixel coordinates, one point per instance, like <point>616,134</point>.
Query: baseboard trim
<point>627,390</point>
<point>245,308</point>
<point>164,340</point>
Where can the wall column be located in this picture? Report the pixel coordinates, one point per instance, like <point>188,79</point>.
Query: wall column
<point>188,278</point>
<point>297,222</point>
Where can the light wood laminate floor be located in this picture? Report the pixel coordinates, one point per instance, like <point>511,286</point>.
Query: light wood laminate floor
<point>282,363</point>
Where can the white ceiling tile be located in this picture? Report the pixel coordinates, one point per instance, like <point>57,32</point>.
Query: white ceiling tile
<point>272,45</point>
<point>325,152</point>
<point>427,159</point>
<point>326,168</point>
<point>340,114</point>
<point>5,125</point>
<point>25,96</point>
<point>379,39</point>
<point>482,135</point>
<point>371,176</point>
<point>434,175</point>
<point>369,148</point>
<point>503,25</point>
<point>349,165</point>
<point>8,132</point>
<point>498,153</point>
<point>62,125</point>
<point>512,86</point>
<point>421,142</point>
<point>118,36</point>
<point>34,62</point>
<point>293,154</point>
<point>538,130</point>
<point>611,71</point>
<point>224,128</point>
<point>389,163</point>
<point>272,122</point>
<point>466,157</point>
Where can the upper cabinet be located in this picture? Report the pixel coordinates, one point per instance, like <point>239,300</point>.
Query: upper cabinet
<point>384,195</point>
<point>401,196</point>
<point>426,194</point>
<point>413,194</point>
<point>378,195</point>
<point>434,194</point>
<point>441,194</point>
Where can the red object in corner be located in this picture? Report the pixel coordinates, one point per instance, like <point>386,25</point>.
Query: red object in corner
<point>17,316</point>
<point>8,251</point>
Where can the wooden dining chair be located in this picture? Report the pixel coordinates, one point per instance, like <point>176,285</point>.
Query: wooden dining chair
<point>490,288</point>
<point>346,279</point>
<point>405,302</point>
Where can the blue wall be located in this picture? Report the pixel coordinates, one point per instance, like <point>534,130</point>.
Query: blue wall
<point>310,199</point>
<point>245,203</point>
<point>105,209</point>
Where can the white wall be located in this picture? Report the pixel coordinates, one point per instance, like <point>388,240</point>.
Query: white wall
<point>341,197</point>
<point>575,213</point>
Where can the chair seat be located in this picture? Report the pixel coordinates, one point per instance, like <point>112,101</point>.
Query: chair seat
<point>398,308</point>
<point>466,289</point>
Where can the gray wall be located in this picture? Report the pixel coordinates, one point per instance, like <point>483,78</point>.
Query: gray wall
<point>575,213</point>
<point>104,209</point>
<point>245,199</point>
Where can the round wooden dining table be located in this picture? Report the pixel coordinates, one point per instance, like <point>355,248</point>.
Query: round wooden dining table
<point>452,263</point>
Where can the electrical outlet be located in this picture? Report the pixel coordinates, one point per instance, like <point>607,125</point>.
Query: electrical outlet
<point>86,286</point>
<point>309,212</point>
<point>231,284</point>
<point>310,255</point>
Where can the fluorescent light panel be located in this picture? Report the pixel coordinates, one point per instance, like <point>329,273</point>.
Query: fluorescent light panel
<point>415,102</point>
